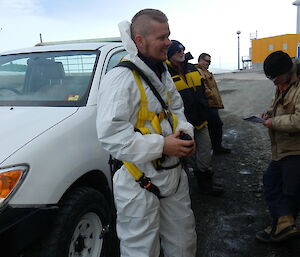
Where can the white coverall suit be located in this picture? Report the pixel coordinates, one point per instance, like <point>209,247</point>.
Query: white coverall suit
<point>143,220</point>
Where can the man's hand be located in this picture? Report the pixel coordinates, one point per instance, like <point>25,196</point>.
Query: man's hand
<point>265,116</point>
<point>176,147</point>
<point>268,123</point>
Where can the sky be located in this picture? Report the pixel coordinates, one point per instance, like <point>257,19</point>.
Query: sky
<point>200,25</point>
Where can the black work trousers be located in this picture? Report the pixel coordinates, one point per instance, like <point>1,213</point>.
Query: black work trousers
<point>282,187</point>
<point>215,128</point>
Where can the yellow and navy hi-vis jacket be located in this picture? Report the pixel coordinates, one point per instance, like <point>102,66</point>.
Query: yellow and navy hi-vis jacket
<point>191,89</point>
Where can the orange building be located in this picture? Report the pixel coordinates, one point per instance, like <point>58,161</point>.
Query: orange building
<point>262,47</point>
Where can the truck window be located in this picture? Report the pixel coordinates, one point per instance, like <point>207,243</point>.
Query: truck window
<point>46,79</point>
<point>115,59</point>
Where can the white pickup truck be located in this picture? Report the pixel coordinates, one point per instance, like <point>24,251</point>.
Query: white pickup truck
<point>55,179</point>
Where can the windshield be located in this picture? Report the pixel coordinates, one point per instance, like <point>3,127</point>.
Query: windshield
<point>46,79</point>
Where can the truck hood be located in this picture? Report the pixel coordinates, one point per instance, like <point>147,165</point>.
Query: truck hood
<point>20,125</point>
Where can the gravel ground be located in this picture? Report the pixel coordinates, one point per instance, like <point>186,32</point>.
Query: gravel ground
<point>226,225</point>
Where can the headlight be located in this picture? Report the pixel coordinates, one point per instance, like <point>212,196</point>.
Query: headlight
<point>9,180</point>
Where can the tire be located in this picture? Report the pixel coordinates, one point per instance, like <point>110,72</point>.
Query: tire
<point>76,230</point>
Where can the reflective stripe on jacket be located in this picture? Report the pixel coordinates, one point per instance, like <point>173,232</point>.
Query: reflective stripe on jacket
<point>191,89</point>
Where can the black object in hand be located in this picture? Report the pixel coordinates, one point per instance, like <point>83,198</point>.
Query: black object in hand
<point>184,136</point>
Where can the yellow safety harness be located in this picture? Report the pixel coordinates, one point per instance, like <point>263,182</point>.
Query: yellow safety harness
<point>145,115</point>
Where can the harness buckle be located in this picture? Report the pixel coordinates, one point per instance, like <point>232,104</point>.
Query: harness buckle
<point>146,183</point>
<point>167,113</point>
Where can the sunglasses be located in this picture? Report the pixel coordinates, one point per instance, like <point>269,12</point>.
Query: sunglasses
<point>208,61</point>
<point>280,79</point>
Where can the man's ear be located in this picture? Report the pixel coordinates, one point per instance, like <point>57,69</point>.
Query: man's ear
<point>139,41</point>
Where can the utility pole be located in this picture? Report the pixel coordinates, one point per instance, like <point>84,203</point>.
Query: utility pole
<point>297,3</point>
<point>238,33</point>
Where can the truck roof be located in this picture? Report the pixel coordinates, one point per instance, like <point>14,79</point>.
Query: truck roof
<point>82,44</point>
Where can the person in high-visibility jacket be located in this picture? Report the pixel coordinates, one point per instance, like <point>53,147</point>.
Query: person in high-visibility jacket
<point>145,220</point>
<point>188,82</point>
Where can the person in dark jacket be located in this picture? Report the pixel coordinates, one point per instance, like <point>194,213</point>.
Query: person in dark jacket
<point>188,82</point>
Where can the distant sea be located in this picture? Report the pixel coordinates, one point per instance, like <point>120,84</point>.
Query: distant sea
<point>218,70</point>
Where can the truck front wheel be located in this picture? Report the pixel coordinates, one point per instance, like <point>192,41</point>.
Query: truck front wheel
<point>76,232</point>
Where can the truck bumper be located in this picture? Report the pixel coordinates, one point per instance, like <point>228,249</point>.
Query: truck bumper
<point>21,227</point>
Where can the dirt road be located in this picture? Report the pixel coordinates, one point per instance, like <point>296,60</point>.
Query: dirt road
<point>226,226</point>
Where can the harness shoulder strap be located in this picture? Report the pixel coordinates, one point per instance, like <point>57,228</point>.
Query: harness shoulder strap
<point>132,66</point>
<point>143,113</point>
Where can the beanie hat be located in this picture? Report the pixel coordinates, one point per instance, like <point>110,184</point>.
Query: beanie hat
<point>174,47</point>
<point>277,63</point>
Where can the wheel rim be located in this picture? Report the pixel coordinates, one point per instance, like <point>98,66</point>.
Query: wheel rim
<point>86,240</point>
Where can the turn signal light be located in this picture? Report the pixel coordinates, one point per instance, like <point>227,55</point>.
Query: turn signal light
<point>8,180</point>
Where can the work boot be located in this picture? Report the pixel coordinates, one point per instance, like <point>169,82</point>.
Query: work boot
<point>221,150</point>
<point>206,175</point>
<point>210,189</point>
<point>265,235</point>
<point>284,229</point>
<point>206,184</point>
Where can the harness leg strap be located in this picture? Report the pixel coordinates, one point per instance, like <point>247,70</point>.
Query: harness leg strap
<point>146,183</point>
